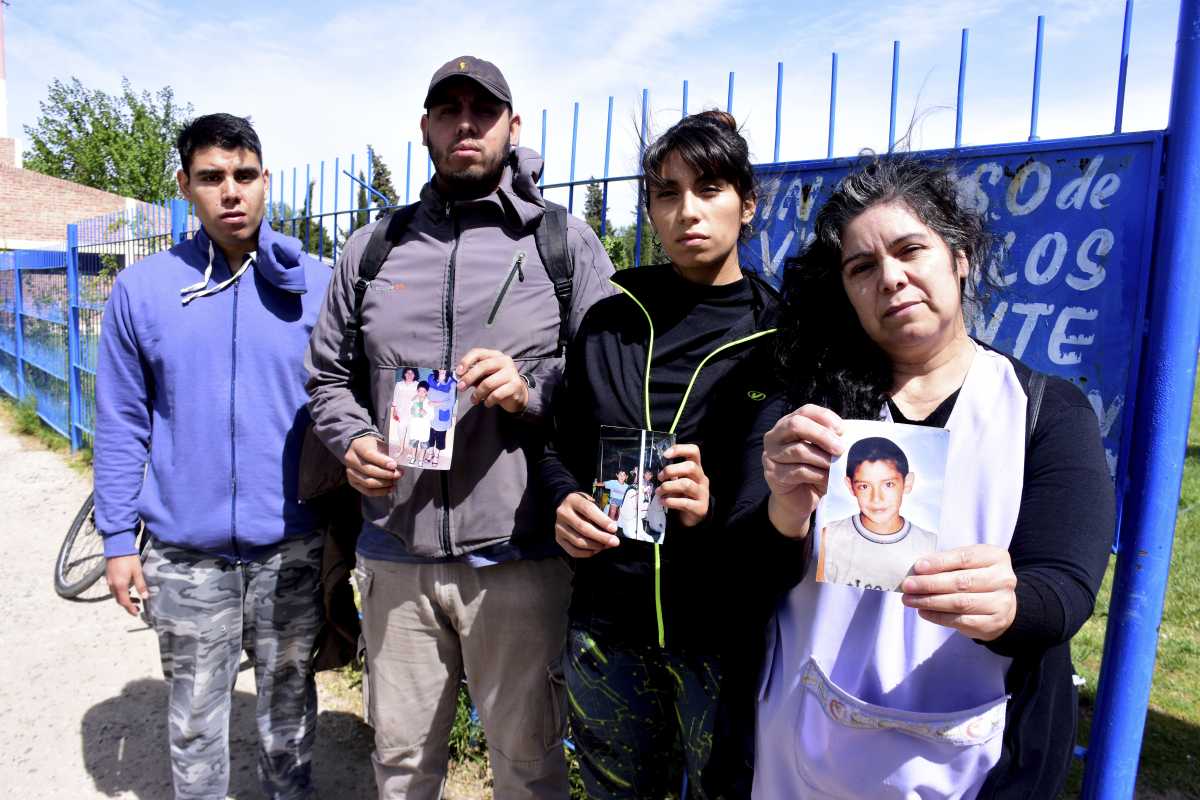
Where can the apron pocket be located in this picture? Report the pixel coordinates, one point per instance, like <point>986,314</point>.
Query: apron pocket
<point>848,748</point>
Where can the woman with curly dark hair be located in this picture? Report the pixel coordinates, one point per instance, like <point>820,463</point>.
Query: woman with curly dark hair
<point>960,684</point>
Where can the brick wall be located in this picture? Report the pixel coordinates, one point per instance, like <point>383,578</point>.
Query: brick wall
<point>8,152</point>
<point>36,207</point>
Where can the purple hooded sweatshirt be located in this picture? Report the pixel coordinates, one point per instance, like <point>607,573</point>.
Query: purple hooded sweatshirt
<point>206,398</point>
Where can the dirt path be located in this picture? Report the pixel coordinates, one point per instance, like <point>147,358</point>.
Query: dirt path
<point>82,701</point>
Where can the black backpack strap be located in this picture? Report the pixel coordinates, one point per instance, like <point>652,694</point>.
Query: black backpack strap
<point>551,240</point>
<point>387,234</point>
<point>1034,391</point>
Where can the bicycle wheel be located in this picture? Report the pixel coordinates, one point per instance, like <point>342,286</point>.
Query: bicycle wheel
<point>80,561</point>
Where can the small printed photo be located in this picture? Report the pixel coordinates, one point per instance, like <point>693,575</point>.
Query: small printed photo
<point>884,505</point>
<point>421,418</point>
<point>627,486</point>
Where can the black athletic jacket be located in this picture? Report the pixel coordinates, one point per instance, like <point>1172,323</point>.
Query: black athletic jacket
<point>710,581</point>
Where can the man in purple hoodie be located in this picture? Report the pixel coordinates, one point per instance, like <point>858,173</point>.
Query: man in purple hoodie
<point>200,413</point>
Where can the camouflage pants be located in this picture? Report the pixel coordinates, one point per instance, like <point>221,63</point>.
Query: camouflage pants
<point>206,610</point>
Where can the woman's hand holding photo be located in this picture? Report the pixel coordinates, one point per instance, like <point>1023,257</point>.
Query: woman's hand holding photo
<point>581,528</point>
<point>971,589</point>
<point>684,485</point>
<point>797,453</point>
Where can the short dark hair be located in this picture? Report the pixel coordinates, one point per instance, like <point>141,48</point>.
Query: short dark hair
<point>709,143</point>
<point>875,448</point>
<point>225,131</point>
<point>423,385</point>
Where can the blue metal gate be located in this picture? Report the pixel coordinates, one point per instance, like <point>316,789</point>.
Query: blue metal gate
<point>1100,239</point>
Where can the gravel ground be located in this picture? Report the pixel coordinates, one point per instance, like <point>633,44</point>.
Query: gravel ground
<point>82,702</point>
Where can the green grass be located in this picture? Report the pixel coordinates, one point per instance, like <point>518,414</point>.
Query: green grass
<point>22,418</point>
<point>1170,763</point>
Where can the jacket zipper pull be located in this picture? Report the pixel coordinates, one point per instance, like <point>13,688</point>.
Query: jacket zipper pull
<point>520,261</point>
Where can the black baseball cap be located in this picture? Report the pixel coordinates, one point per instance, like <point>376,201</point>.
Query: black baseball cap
<point>484,73</point>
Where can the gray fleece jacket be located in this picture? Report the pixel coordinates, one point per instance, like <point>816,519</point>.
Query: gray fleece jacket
<point>445,289</point>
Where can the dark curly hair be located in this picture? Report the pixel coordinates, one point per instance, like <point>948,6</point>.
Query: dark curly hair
<point>825,356</point>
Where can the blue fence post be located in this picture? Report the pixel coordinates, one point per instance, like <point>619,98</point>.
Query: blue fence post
<point>18,311</point>
<point>832,105</point>
<point>179,214</point>
<point>1159,440</point>
<point>895,90</point>
<point>1037,80</point>
<point>1123,70</point>
<point>643,138</point>
<point>574,141</point>
<point>778,108</point>
<point>74,390</point>
<point>542,177</point>
<point>962,89</point>
<point>607,150</point>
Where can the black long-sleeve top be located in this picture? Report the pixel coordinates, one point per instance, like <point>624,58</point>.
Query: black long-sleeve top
<point>1059,550</point>
<point>711,578</point>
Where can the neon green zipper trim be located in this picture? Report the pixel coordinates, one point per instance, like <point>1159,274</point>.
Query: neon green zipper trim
<point>662,632</point>
<point>687,392</point>
<point>649,353</point>
<point>658,611</point>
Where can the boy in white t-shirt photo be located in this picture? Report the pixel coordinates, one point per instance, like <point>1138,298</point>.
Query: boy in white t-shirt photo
<point>875,548</point>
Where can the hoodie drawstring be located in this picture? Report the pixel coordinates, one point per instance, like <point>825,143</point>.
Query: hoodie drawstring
<point>201,288</point>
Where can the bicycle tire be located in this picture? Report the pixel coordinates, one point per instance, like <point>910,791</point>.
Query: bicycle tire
<point>80,561</point>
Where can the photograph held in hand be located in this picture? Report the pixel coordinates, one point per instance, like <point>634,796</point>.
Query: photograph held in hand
<point>627,486</point>
<point>882,510</point>
<point>421,420</point>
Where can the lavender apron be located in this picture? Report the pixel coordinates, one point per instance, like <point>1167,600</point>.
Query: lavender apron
<point>860,697</point>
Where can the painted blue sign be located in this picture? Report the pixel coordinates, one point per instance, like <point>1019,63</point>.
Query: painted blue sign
<point>1073,222</point>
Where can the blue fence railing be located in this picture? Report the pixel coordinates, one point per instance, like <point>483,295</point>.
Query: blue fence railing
<point>1098,247</point>
<point>51,302</point>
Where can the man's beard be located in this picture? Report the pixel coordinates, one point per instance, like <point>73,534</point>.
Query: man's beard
<point>474,181</point>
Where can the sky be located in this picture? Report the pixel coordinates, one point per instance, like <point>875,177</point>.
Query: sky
<point>323,80</point>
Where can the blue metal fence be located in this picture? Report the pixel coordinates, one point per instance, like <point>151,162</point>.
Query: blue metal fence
<point>1100,290</point>
<point>33,331</point>
<point>51,302</point>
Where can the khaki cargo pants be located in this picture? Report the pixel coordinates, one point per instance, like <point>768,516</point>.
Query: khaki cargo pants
<point>424,625</point>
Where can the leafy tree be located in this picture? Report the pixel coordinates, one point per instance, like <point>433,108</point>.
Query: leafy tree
<point>313,232</point>
<point>381,182</point>
<point>122,143</point>
<point>592,204</point>
<point>614,245</point>
<point>621,243</point>
<point>381,178</point>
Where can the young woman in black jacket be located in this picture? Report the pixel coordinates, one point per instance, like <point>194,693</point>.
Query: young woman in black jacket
<point>664,638</point>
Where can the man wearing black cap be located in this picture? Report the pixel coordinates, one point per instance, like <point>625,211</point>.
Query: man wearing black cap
<point>457,568</point>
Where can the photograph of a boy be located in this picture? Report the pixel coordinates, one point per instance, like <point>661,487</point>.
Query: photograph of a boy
<point>875,548</point>
<point>420,414</point>
<point>616,488</point>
